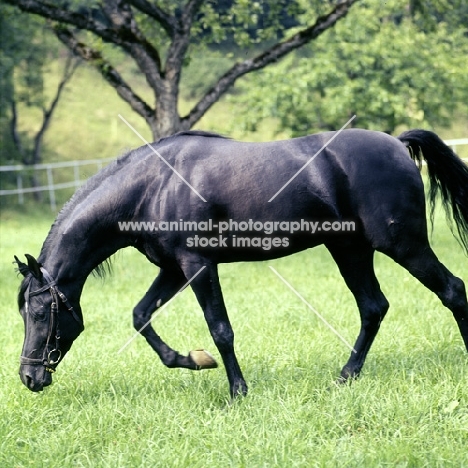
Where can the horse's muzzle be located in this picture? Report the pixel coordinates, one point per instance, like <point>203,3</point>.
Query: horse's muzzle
<point>35,377</point>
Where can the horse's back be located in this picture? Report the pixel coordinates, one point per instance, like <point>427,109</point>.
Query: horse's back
<point>359,173</point>
<point>355,161</point>
<point>218,159</point>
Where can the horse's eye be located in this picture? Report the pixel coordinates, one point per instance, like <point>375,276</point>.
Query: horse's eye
<point>37,308</point>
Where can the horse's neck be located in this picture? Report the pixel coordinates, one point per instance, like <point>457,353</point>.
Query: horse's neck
<point>86,231</point>
<point>77,244</point>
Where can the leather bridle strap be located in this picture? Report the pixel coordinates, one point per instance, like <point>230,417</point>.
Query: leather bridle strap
<point>52,285</point>
<point>47,360</point>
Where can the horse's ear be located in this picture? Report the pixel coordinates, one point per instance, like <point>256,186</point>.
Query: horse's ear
<point>34,267</point>
<point>22,267</point>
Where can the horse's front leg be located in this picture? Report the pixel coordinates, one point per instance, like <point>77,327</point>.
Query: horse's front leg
<point>205,285</point>
<point>165,286</point>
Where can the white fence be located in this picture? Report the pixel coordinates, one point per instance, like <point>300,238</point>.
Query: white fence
<point>454,143</point>
<point>23,172</point>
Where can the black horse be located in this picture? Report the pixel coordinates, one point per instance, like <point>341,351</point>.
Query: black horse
<point>366,178</point>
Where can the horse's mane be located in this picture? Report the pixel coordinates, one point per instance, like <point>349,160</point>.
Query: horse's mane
<point>81,194</point>
<point>202,133</point>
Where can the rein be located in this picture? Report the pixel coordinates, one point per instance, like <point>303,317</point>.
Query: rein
<point>48,356</point>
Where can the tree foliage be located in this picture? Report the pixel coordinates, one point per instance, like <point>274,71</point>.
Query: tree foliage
<point>26,47</point>
<point>390,64</point>
<point>23,49</point>
<point>158,37</point>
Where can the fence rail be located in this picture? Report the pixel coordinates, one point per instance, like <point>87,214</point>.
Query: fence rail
<point>457,142</point>
<point>51,187</point>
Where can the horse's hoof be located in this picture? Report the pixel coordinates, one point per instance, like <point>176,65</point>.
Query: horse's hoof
<point>343,381</point>
<point>203,359</point>
<point>239,390</point>
<point>346,378</point>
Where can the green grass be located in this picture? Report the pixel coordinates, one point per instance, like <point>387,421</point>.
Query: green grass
<point>409,408</point>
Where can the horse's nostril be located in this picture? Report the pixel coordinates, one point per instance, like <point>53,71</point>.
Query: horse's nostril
<point>29,382</point>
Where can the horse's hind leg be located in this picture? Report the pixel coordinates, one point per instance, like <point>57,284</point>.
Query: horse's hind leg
<point>356,266</point>
<point>165,286</point>
<point>423,264</point>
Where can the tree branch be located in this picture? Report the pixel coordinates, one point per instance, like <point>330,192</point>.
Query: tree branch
<point>120,15</point>
<point>181,40</point>
<point>34,156</point>
<point>84,19</point>
<point>14,130</point>
<point>108,72</point>
<point>273,54</point>
<point>114,22</point>
<point>191,9</point>
<point>70,68</point>
<point>166,21</point>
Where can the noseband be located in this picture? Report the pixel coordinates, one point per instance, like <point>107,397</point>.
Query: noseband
<point>49,361</point>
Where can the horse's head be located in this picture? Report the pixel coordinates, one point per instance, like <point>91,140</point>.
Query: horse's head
<point>51,324</point>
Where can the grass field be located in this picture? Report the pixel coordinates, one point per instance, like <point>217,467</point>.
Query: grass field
<point>409,408</point>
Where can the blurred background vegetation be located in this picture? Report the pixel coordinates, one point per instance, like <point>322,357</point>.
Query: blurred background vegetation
<point>396,64</point>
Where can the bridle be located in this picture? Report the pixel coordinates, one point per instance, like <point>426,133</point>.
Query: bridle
<point>50,357</point>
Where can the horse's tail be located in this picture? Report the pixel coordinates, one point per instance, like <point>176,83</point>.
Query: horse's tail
<point>448,175</point>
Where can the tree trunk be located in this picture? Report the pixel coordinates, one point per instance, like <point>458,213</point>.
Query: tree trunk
<point>167,120</point>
